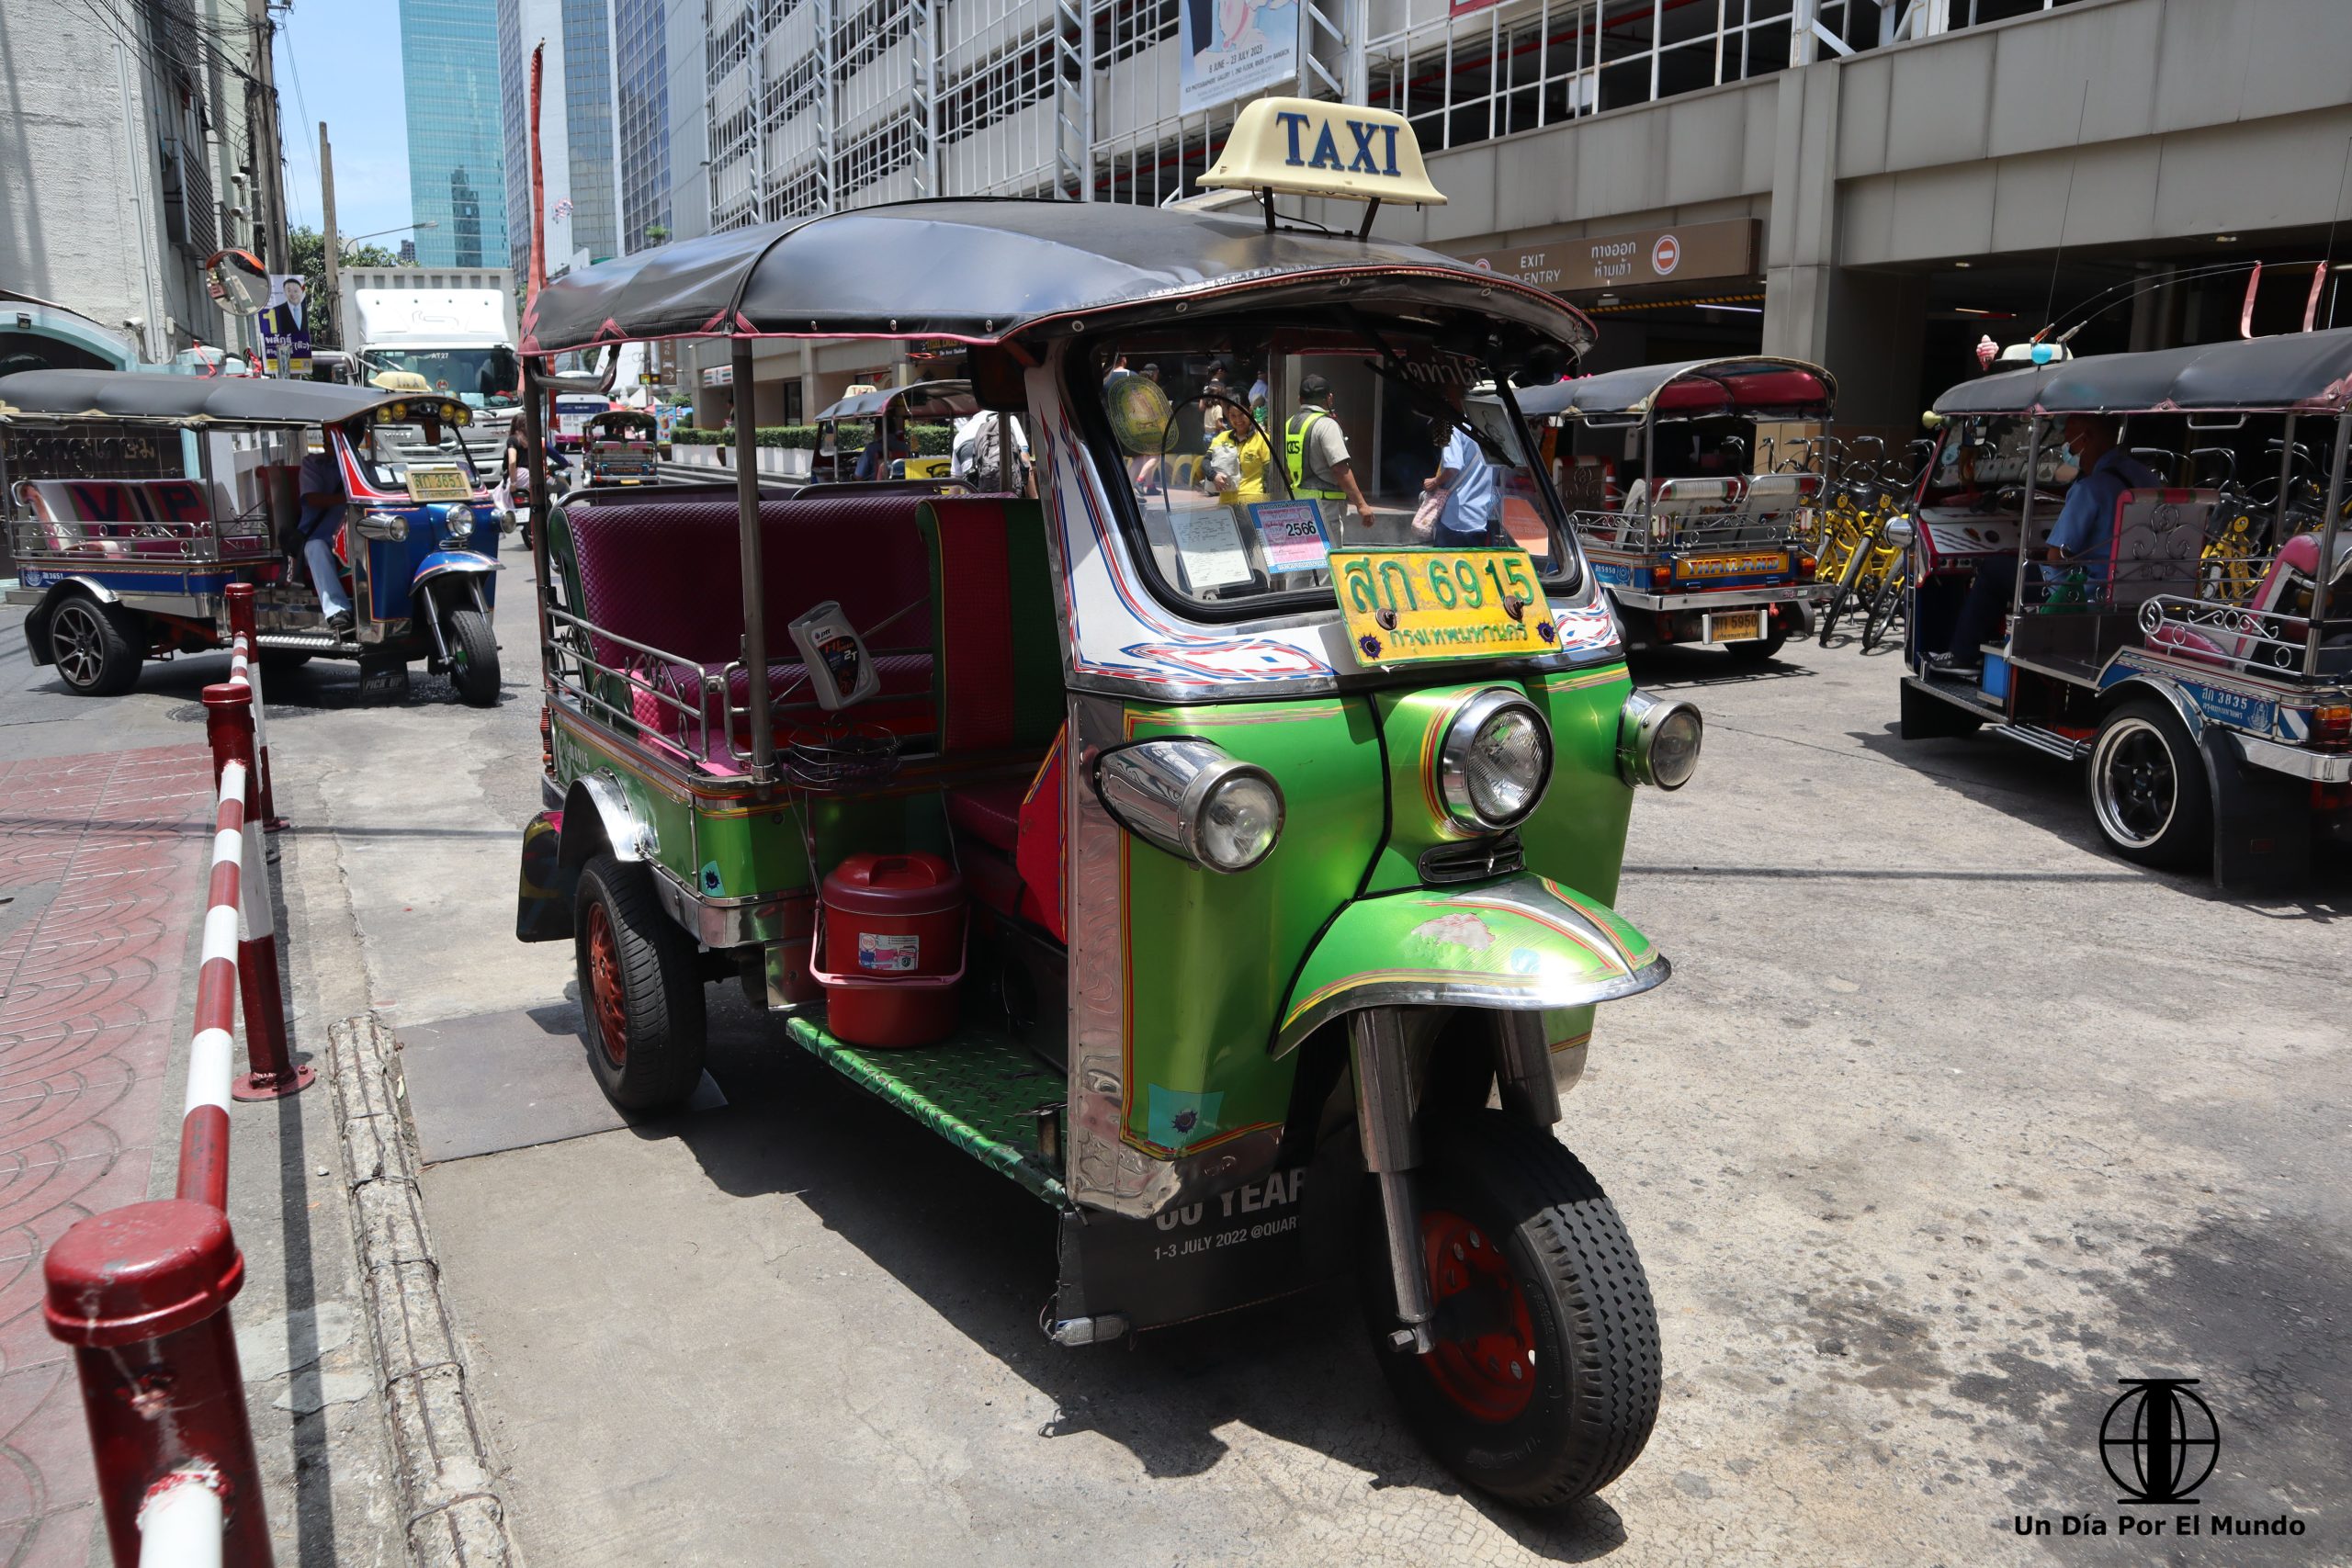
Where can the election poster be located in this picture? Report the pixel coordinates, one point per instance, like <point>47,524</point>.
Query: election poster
<point>1232,49</point>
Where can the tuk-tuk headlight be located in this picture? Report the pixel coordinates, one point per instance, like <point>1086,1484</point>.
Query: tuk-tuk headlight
<point>457,524</point>
<point>1496,761</point>
<point>1188,797</point>
<point>1658,741</point>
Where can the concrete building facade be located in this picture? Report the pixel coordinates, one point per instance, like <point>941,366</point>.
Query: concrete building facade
<point>1874,183</point>
<point>136,140</point>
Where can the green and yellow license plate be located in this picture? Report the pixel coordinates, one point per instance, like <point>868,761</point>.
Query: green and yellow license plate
<point>439,482</point>
<point>1700,567</point>
<point>1405,606</point>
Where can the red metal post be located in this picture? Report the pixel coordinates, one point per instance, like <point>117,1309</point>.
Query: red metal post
<point>142,1292</point>
<point>228,710</point>
<point>242,622</point>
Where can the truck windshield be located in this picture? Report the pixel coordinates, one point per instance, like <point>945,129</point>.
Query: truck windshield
<point>1251,453</point>
<point>483,378</point>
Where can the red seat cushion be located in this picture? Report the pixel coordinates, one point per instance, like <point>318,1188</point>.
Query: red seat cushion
<point>990,812</point>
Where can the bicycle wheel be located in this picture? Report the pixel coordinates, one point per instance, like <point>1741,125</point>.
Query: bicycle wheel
<point>1886,608</point>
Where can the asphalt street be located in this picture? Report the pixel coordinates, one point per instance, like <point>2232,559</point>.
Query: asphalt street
<point>1947,1122</point>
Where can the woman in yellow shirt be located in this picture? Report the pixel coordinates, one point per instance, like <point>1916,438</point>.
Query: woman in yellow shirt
<point>1238,460</point>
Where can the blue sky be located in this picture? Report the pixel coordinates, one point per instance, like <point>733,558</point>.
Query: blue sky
<point>339,60</point>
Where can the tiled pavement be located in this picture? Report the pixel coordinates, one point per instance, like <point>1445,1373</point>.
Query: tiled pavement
<point>101,868</point>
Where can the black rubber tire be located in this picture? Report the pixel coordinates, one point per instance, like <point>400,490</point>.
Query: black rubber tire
<point>661,993</point>
<point>1596,1335</point>
<point>2125,745</point>
<point>276,660</point>
<point>1762,648</point>
<point>1888,599</point>
<point>473,658</point>
<point>1834,610</point>
<point>97,647</point>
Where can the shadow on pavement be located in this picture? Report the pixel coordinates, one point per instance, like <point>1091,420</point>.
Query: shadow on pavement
<point>979,1251</point>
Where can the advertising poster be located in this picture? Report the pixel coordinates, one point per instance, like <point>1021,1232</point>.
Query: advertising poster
<point>1231,49</point>
<point>285,325</point>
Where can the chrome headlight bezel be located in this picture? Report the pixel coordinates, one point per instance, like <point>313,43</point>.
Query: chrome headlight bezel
<point>1161,790</point>
<point>1640,723</point>
<point>457,524</point>
<point>1461,738</point>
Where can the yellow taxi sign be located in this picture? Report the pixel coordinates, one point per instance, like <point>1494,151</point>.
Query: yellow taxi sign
<point>1301,147</point>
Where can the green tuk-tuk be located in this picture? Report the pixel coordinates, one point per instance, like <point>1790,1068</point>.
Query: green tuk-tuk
<point>1227,861</point>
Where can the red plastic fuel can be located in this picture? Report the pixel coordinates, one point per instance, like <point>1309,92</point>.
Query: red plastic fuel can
<point>894,949</point>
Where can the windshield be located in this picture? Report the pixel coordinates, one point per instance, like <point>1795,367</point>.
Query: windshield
<point>1253,452</point>
<point>483,378</point>
<point>391,452</point>
<point>1980,463</point>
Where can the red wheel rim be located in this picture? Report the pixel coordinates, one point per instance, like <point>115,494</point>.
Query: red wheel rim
<point>608,997</point>
<point>1489,1370</point>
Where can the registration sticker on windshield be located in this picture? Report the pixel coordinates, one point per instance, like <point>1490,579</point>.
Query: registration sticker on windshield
<point>438,481</point>
<point>1404,606</point>
<point>1292,532</point>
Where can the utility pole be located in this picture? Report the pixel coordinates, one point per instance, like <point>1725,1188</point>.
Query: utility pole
<point>326,223</point>
<point>269,159</point>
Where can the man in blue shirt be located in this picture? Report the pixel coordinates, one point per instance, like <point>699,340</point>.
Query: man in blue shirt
<point>2081,537</point>
<point>1467,480</point>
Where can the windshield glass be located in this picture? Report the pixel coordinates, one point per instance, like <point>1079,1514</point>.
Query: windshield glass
<point>1980,460</point>
<point>431,448</point>
<point>1253,452</point>
<point>483,378</point>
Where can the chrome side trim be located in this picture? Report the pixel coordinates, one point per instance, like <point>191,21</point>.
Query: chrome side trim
<point>2318,767</point>
<point>721,922</point>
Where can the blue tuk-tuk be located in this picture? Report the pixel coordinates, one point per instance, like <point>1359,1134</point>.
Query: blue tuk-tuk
<point>133,501</point>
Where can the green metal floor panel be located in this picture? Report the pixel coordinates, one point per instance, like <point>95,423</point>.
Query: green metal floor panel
<point>978,1089</point>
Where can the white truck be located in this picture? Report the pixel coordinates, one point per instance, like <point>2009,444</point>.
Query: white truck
<point>453,326</point>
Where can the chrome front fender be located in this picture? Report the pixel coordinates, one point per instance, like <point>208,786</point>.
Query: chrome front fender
<point>1524,943</point>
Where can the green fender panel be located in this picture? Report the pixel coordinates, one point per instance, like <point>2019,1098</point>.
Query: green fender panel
<point>1524,943</point>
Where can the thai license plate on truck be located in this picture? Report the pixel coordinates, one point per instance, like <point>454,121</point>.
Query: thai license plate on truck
<point>1735,625</point>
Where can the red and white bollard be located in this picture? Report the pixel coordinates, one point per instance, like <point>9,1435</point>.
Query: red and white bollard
<point>247,668</point>
<point>243,930</point>
<point>141,1293</point>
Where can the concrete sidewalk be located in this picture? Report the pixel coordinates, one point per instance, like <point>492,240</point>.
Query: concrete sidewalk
<point>102,858</point>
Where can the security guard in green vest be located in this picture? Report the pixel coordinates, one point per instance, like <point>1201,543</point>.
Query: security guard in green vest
<point>1314,453</point>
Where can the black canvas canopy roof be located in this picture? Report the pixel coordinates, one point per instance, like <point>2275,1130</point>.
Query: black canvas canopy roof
<point>924,400</point>
<point>985,270</point>
<point>1754,387</point>
<point>2307,371</point>
<point>187,399</point>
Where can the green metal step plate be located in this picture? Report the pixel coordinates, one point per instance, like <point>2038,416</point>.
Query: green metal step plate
<point>976,1088</point>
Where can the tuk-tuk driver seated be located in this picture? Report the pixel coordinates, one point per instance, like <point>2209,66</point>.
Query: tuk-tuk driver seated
<point>1315,452</point>
<point>323,501</point>
<point>2080,537</point>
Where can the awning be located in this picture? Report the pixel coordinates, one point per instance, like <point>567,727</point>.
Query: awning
<point>187,399</point>
<point>1753,387</point>
<point>2309,372</point>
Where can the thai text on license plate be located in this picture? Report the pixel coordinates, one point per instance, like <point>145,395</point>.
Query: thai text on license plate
<point>439,484</point>
<point>1405,606</point>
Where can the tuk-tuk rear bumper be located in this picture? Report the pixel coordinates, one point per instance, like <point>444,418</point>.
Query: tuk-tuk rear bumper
<point>1524,943</point>
<point>1726,598</point>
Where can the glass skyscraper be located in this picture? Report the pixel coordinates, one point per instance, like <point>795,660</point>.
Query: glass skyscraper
<point>456,165</point>
<point>575,128</point>
<point>640,48</point>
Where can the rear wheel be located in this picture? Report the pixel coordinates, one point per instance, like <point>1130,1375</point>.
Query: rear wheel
<point>97,647</point>
<point>1884,609</point>
<point>639,988</point>
<point>2147,787</point>
<point>1544,1384</point>
<point>1764,647</point>
<point>274,660</point>
<point>473,658</point>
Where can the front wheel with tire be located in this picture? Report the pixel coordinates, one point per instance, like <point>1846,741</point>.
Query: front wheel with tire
<point>1544,1382</point>
<point>473,658</point>
<point>97,648</point>
<point>2148,789</point>
<point>640,989</point>
<point>1885,607</point>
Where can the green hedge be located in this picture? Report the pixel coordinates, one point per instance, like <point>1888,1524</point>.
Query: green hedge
<point>931,440</point>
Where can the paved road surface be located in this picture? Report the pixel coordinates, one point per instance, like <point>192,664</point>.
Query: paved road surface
<point>1947,1122</point>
